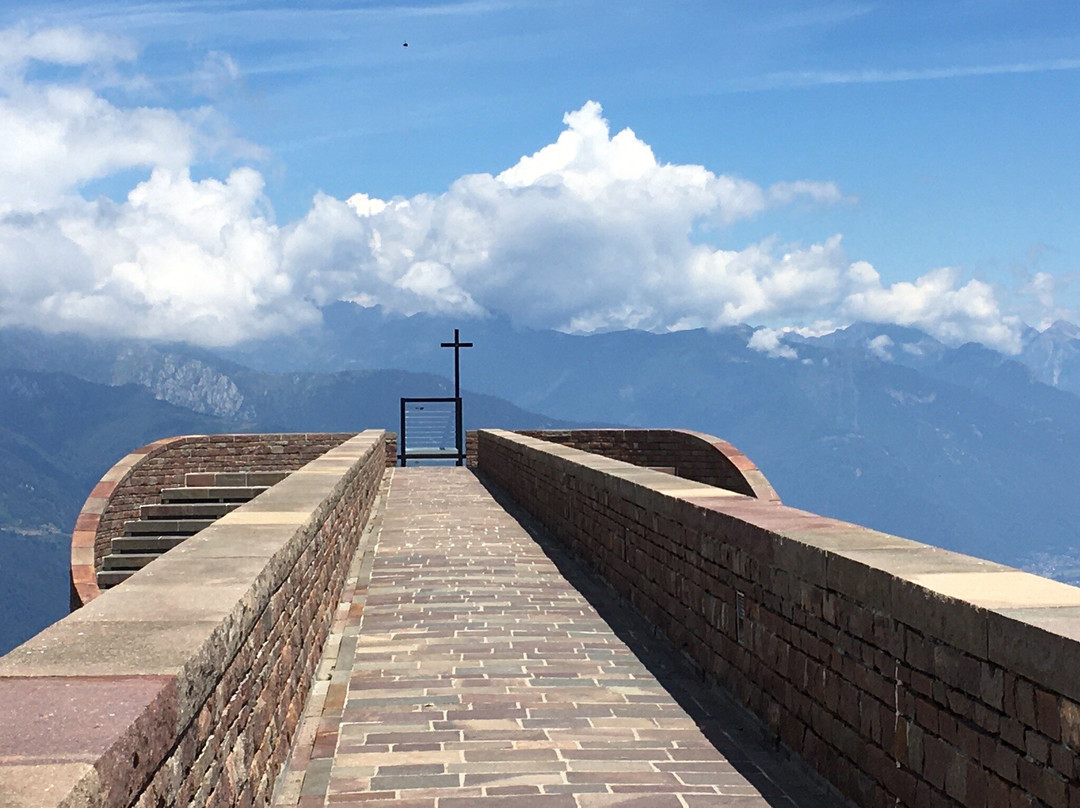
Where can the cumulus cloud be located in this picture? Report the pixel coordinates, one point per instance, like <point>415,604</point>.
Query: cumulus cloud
<point>940,305</point>
<point>58,136</point>
<point>768,341</point>
<point>1041,290</point>
<point>591,231</point>
<point>178,260</point>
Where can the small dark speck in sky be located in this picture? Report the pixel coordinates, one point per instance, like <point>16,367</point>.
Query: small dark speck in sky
<point>404,44</point>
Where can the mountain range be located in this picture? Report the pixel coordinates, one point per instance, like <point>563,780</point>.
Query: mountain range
<point>958,446</point>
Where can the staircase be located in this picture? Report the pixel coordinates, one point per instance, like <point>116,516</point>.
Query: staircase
<point>204,498</point>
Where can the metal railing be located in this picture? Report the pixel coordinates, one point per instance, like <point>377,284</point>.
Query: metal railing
<point>431,433</point>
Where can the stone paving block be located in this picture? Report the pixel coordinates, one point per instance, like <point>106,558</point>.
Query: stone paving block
<point>481,675</point>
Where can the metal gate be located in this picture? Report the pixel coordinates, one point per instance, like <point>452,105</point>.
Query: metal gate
<point>431,430</point>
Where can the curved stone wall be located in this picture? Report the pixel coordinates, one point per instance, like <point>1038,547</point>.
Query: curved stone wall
<point>906,674</point>
<point>693,455</point>
<point>184,685</point>
<point>139,477</point>
<point>85,552</point>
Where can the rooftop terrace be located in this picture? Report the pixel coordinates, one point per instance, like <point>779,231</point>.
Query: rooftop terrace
<point>551,627</point>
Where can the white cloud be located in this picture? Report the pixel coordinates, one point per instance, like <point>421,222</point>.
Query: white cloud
<point>1043,289</point>
<point>60,46</point>
<point>57,138</point>
<point>940,305</point>
<point>767,341</point>
<point>590,232</point>
<point>178,260</point>
<point>219,72</point>
<point>879,346</point>
<point>814,78</point>
<point>784,193</point>
<point>1043,286</point>
<point>593,232</point>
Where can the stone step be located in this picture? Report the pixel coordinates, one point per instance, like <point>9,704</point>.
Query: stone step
<point>143,544</point>
<point>202,479</point>
<point>190,510</point>
<point>182,512</point>
<point>106,579</point>
<point>127,561</point>
<point>237,493</point>
<point>166,527</point>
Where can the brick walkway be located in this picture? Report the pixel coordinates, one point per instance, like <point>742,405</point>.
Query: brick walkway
<point>467,669</point>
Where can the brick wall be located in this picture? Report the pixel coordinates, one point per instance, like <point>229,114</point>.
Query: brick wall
<point>391,449</point>
<point>184,685</point>
<point>684,453</point>
<point>168,461</point>
<point>84,545</point>
<point>907,675</point>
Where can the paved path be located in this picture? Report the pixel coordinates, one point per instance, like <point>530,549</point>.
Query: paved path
<point>467,669</point>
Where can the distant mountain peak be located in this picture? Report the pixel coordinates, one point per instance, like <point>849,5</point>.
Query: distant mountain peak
<point>1063,329</point>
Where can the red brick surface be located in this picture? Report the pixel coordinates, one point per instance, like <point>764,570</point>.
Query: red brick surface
<point>84,566</point>
<point>898,694</point>
<point>139,478</point>
<point>693,455</point>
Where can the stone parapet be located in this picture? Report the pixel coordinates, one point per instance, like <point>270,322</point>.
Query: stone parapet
<point>183,686</point>
<point>905,674</point>
<point>693,455</point>
<point>138,479</point>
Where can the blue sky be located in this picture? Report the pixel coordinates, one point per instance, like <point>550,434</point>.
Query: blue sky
<point>933,141</point>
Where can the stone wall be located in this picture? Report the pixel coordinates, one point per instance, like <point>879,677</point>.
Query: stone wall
<point>905,674</point>
<point>391,449</point>
<point>684,453</point>
<point>139,478</point>
<point>184,685</point>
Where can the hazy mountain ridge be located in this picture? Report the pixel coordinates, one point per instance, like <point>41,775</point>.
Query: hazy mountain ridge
<point>961,447</point>
<point>1054,355</point>
<point>183,375</point>
<point>35,572</point>
<point>60,433</point>
<point>201,382</point>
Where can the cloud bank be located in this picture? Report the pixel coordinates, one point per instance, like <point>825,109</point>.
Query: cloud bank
<point>590,232</point>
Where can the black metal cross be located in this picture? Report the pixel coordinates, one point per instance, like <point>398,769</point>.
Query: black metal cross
<point>457,345</point>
